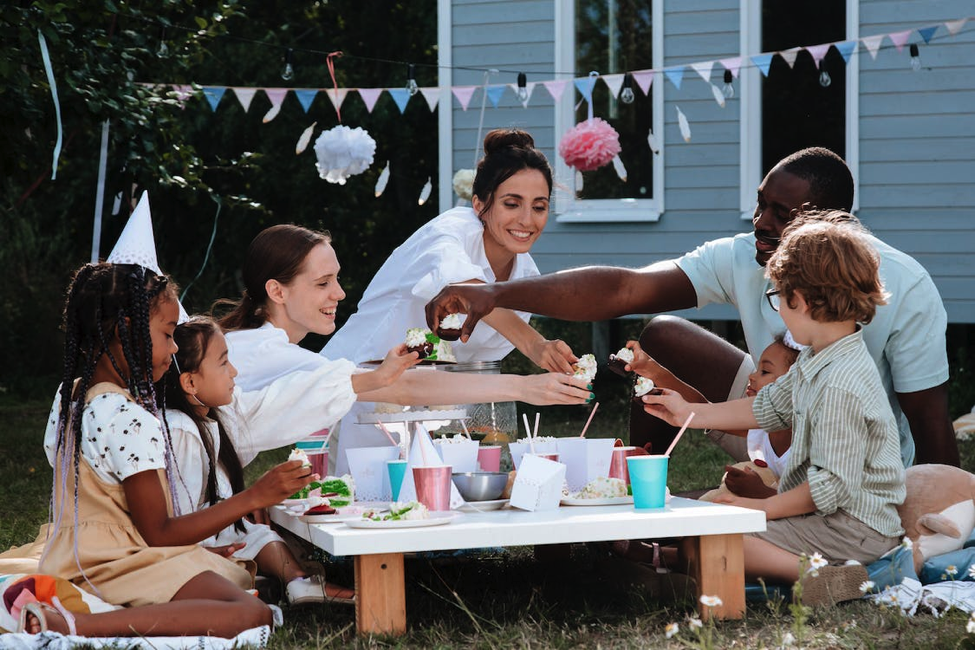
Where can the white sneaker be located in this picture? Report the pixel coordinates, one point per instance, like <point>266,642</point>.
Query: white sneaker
<point>311,590</point>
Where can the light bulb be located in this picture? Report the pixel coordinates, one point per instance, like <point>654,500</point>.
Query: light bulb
<point>824,79</point>
<point>915,58</point>
<point>627,96</point>
<point>728,89</point>
<point>288,73</point>
<point>411,86</point>
<point>522,87</point>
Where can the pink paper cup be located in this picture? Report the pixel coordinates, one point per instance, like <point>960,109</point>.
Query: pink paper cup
<point>433,487</point>
<point>319,462</point>
<point>489,458</point>
<point>617,466</point>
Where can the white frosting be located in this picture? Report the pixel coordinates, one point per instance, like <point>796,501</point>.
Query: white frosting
<point>585,367</point>
<point>444,352</point>
<point>643,386</point>
<point>298,454</point>
<point>625,355</point>
<point>451,322</point>
<point>416,336</point>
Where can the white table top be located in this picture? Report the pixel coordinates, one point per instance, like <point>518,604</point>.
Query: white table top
<point>512,527</point>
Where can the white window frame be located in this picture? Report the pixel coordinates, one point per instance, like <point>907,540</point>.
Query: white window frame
<point>750,16</point>
<point>569,209</point>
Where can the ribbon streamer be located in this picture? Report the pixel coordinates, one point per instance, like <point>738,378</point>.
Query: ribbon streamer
<point>57,104</point>
<point>330,62</point>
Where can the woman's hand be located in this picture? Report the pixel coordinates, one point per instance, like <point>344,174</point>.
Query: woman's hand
<point>397,361</point>
<point>281,482</point>
<point>741,502</point>
<point>669,406</point>
<point>553,388</point>
<point>643,364</point>
<point>554,356</point>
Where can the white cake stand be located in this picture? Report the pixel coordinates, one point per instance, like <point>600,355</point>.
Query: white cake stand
<point>399,422</point>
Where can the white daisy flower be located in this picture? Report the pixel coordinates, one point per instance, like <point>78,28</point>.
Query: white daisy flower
<point>695,622</point>
<point>970,627</point>
<point>951,570</point>
<point>907,543</point>
<point>817,561</point>
<point>866,586</point>
<point>672,629</point>
<point>788,640</point>
<point>711,601</point>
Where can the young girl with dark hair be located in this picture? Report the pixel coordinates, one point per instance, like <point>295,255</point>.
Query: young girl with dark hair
<point>114,532</point>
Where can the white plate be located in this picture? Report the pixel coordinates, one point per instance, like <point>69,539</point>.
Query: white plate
<point>484,506</point>
<point>608,501</point>
<point>435,519</point>
<point>334,518</point>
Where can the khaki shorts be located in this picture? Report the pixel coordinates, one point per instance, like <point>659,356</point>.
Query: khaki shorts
<point>735,446</point>
<point>837,537</point>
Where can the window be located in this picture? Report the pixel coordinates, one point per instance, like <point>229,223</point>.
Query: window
<point>612,37</point>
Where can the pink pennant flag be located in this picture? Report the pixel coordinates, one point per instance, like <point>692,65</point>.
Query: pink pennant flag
<point>954,26</point>
<point>370,96</point>
<point>732,64</point>
<point>703,68</point>
<point>183,93</point>
<point>464,94</point>
<point>244,96</point>
<point>432,95</point>
<point>872,43</point>
<point>900,38</point>
<point>790,55</point>
<point>337,95</point>
<point>643,79</point>
<point>818,51</point>
<point>614,82</point>
<point>276,95</point>
<point>555,88</point>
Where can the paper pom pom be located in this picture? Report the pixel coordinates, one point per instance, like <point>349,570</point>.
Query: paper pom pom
<point>589,145</point>
<point>464,184</point>
<point>343,152</point>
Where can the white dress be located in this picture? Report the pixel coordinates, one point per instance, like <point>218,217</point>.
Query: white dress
<point>449,248</point>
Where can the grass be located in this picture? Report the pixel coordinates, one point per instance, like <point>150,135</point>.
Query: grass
<point>507,599</point>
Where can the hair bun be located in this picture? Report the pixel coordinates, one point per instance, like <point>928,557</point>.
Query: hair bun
<point>502,138</point>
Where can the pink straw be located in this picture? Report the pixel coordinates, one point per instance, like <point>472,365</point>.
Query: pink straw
<point>388,435</point>
<point>423,448</point>
<point>528,432</point>
<point>583,434</point>
<point>679,434</point>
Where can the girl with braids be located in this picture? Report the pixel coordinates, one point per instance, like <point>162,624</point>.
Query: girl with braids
<point>215,426</point>
<point>114,532</point>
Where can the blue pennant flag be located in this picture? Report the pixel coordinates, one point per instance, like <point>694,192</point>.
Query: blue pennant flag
<point>401,96</point>
<point>494,94</point>
<point>584,86</point>
<point>846,49</point>
<point>306,97</point>
<point>763,61</point>
<point>676,75</point>
<point>214,94</point>
<point>927,32</point>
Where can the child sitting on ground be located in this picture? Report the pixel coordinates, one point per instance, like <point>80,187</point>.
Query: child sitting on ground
<point>837,499</point>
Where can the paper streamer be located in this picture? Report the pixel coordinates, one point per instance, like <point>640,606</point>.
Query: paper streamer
<point>57,104</point>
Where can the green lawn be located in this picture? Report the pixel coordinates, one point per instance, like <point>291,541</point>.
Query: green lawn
<point>506,599</point>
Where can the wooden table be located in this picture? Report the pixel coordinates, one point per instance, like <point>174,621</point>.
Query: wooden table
<point>715,532</point>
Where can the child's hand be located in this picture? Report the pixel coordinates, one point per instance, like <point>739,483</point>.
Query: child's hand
<point>228,550</point>
<point>554,356</point>
<point>397,361</point>
<point>741,502</point>
<point>746,483</point>
<point>281,482</point>
<point>643,364</point>
<point>668,405</point>
<point>553,388</point>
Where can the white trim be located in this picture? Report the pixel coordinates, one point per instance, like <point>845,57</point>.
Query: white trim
<point>567,209</point>
<point>750,19</point>
<point>445,118</point>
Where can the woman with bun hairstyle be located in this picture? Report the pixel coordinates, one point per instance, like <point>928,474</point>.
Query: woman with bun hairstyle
<point>488,242</point>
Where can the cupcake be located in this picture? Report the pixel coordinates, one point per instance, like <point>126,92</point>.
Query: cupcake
<point>418,340</point>
<point>618,361</point>
<point>644,386</point>
<point>298,454</point>
<point>585,368</point>
<point>449,329</point>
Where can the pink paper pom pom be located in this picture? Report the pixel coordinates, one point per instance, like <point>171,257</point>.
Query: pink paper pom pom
<point>589,145</point>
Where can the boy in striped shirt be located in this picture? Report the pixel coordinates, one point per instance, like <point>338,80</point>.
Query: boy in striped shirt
<point>837,498</point>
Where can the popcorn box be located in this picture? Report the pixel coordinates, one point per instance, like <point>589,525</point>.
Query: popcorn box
<point>461,455</point>
<point>585,459</point>
<point>368,468</point>
<point>538,485</point>
<point>519,449</point>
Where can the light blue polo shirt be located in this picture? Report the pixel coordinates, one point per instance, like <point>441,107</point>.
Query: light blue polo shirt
<point>906,338</point>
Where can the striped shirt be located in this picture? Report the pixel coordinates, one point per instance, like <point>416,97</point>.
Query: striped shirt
<point>845,440</point>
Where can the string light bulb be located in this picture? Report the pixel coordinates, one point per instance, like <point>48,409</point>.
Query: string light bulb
<point>288,73</point>
<point>626,95</point>
<point>824,79</point>
<point>411,86</point>
<point>163,50</point>
<point>522,87</point>
<point>915,57</point>
<point>728,89</point>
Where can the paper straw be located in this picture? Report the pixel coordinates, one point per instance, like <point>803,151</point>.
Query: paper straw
<point>388,435</point>
<point>583,434</point>
<point>535,432</point>
<point>466,432</point>
<point>679,434</point>
<point>528,432</point>
<point>423,447</point>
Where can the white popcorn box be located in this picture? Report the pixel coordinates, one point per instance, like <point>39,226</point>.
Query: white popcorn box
<point>585,459</point>
<point>538,485</point>
<point>462,456</point>
<point>519,449</point>
<point>368,468</point>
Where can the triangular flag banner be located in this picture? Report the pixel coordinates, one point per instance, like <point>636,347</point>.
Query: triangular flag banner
<point>584,85</point>
<point>643,79</point>
<point>872,43</point>
<point>370,96</point>
<point>306,96</point>
<point>244,96</point>
<point>704,69</point>
<point>900,38</point>
<point>790,55</point>
<point>337,96</point>
<point>733,64</point>
<point>214,94</point>
<point>927,32</point>
<point>846,49</point>
<point>529,88</point>
<point>401,96</point>
<point>614,82</point>
<point>432,95</point>
<point>818,51</point>
<point>494,94</point>
<point>675,74</point>
<point>464,94</point>
<point>555,88</point>
<point>763,61</point>
<point>954,26</point>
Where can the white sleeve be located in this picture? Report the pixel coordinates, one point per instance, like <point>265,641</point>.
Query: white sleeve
<point>192,465</point>
<point>290,408</point>
<point>447,261</point>
<point>917,349</point>
<point>263,357</point>
<point>708,267</point>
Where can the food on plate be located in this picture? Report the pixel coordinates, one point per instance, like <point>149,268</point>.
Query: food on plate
<point>619,361</point>
<point>585,368</point>
<point>323,509</point>
<point>335,491</point>
<point>428,345</point>
<point>602,488</point>
<point>449,329</point>
<point>298,454</point>
<point>398,511</point>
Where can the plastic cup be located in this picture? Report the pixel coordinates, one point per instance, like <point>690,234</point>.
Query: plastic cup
<point>648,478</point>
<point>397,470</point>
<point>433,486</point>
<point>489,458</point>
<point>617,466</point>
<point>319,461</point>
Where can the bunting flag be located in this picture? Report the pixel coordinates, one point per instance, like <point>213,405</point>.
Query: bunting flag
<point>734,65</point>
<point>214,94</point>
<point>244,96</point>
<point>464,94</point>
<point>370,96</point>
<point>614,82</point>
<point>703,69</point>
<point>762,62</point>
<point>790,55</point>
<point>432,95</point>
<point>401,96</point>
<point>872,43</point>
<point>584,85</point>
<point>494,94</point>
<point>555,88</point>
<point>818,52</point>
<point>305,97</point>
<point>643,79</point>
<point>675,74</point>
<point>900,38</point>
<point>529,88</point>
<point>846,49</point>
<point>276,95</point>
<point>954,26</point>
<point>927,32</point>
<point>337,96</point>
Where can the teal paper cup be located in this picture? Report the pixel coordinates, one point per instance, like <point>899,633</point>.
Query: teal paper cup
<point>397,470</point>
<point>648,479</point>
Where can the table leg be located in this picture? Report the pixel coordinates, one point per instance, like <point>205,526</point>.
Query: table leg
<point>717,564</point>
<point>380,594</point>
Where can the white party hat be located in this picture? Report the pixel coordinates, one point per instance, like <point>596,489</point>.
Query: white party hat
<point>137,245</point>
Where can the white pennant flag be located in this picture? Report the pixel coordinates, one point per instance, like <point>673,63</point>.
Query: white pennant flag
<point>872,43</point>
<point>790,55</point>
<point>954,26</point>
<point>614,82</point>
<point>244,96</point>
<point>382,180</point>
<point>432,95</point>
<point>305,139</point>
<point>276,95</point>
<point>337,96</point>
<point>685,127</point>
<point>703,68</point>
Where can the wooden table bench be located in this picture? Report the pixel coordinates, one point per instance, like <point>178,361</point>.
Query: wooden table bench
<point>715,531</point>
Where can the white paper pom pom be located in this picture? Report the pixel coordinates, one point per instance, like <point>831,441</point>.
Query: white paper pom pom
<point>464,183</point>
<point>343,152</point>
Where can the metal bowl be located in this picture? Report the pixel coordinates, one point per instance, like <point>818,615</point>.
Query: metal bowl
<point>480,486</point>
